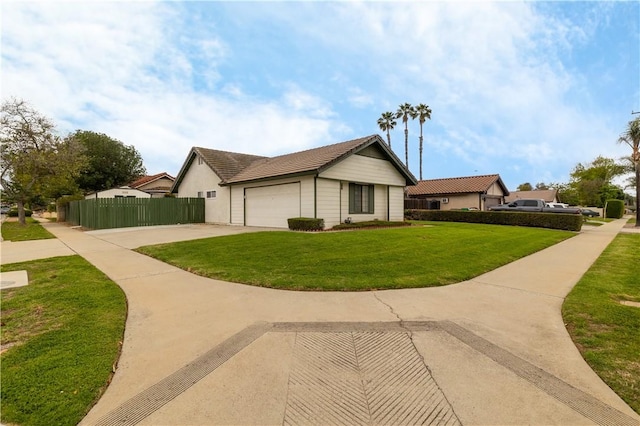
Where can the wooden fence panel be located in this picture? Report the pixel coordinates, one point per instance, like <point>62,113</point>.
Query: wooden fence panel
<point>106,213</point>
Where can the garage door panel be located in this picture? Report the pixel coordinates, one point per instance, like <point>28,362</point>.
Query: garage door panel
<point>271,206</point>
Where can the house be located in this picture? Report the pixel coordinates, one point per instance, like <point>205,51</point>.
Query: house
<point>548,195</point>
<point>360,179</point>
<point>121,192</point>
<point>157,185</point>
<point>476,192</point>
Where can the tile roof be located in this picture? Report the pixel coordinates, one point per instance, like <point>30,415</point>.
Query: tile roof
<point>299,162</point>
<point>233,167</point>
<point>457,185</point>
<point>146,179</point>
<point>226,164</point>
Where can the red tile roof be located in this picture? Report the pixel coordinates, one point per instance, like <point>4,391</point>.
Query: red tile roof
<point>457,185</point>
<point>146,179</point>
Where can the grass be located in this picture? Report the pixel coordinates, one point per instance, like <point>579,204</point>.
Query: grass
<point>32,230</point>
<point>605,331</point>
<point>64,331</point>
<point>417,256</point>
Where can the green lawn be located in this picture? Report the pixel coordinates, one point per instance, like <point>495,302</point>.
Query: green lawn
<point>14,231</point>
<point>64,333</point>
<point>417,256</point>
<point>606,332</point>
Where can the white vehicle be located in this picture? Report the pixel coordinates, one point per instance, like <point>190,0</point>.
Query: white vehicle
<point>557,205</point>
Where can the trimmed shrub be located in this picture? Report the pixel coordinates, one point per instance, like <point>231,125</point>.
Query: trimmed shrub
<point>14,212</point>
<point>305,224</point>
<point>568,222</point>
<point>615,209</point>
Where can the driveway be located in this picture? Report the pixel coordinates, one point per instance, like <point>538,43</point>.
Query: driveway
<point>492,350</point>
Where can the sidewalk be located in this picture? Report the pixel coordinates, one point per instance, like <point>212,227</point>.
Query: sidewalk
<point>492,350</point>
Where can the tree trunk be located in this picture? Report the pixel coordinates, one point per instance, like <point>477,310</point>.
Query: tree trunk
<point>637,194</point>
<point>420,157</point>
<point>406,147</point>
<point>388,138</point>
<point>21,215</point>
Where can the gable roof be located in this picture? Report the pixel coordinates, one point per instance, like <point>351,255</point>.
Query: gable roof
<point>315,160</point>
<point>236,168</point>
<point>148,179</point>
<point>548,195</point>
<point>456,185</point>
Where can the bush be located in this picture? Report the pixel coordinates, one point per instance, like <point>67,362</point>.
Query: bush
<point>615,209</point>
<point>14,212</point>
<point>568,222</point>
<point>305,224</point>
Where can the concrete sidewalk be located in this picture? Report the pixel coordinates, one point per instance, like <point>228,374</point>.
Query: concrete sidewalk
<point>492,350</point>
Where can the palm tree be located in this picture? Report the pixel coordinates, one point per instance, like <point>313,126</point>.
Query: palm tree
<point>422,113</point>
<point>405,111</point>
<point>387,122</point>
<point>631,137</point>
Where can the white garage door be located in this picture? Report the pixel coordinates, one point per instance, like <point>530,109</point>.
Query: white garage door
<point>272,205</point>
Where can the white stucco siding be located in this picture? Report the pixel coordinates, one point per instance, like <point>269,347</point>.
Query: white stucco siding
<point>396,203</point>
<point>328,201</point>
<point>201,179</point>
<point>358,168</point>
<point>459,201</point>
<point>118,192</point>
<point>495,190</point>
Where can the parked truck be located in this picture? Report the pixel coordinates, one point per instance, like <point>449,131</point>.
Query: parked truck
<point>532,205</point>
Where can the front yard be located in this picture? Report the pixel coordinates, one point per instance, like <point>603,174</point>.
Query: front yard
<point>607,332</point>
<point>61,338</point>
<point>423,255</point>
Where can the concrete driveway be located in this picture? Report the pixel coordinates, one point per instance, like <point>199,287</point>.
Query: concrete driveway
<point>492,350</point>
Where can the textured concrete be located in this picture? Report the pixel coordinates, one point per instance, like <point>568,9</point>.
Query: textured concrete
<point>492,350</point>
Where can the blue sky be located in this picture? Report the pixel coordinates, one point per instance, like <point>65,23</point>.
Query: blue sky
<point>523,89</point>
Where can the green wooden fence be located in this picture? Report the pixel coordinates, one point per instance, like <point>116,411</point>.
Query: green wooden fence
<point>105,213</point>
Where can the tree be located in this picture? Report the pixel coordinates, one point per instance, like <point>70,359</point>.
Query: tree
<point>422,113</point>
<point>524,187</point>
<point>405,111</point>
<point>541,186</point>
<point>387,122</point>
<point>34,159</point>
<point>631,137</point>
<point>593,180</point>
<point>110,162</point>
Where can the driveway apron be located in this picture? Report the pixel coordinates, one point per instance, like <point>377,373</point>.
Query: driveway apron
<point>491,350</point>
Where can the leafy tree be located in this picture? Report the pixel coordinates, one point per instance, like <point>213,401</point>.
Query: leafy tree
<point>593,180</point>
<point>524,187</point>
<point>110,162</point>
<point>422,113</point>
<point>34,159</point>
<point>542,186</point>
<point>405,111</point>
<point>631,137</point>
<point>387,122</point>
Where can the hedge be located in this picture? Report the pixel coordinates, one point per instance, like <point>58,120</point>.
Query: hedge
<point>568,222</point>
<point>615,209</point>
<point>14,212</point>
<point>305,224</point>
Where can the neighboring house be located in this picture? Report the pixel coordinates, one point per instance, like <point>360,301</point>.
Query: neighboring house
<point>121,192</point>
<point>157,185</point>
<point>476,192</point>
<point>361,179</point>
<point>548,195</point>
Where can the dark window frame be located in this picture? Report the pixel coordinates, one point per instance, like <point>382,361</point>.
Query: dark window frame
<point>361,198</point>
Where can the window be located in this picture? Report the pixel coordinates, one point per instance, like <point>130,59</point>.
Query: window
<point>211,194</point>
<point>200,194</point>
<point>200,160</point>
<point>360,198</point>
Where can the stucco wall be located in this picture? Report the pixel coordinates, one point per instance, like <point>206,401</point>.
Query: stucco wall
<point>200,178</point>
<point>121,192</point>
